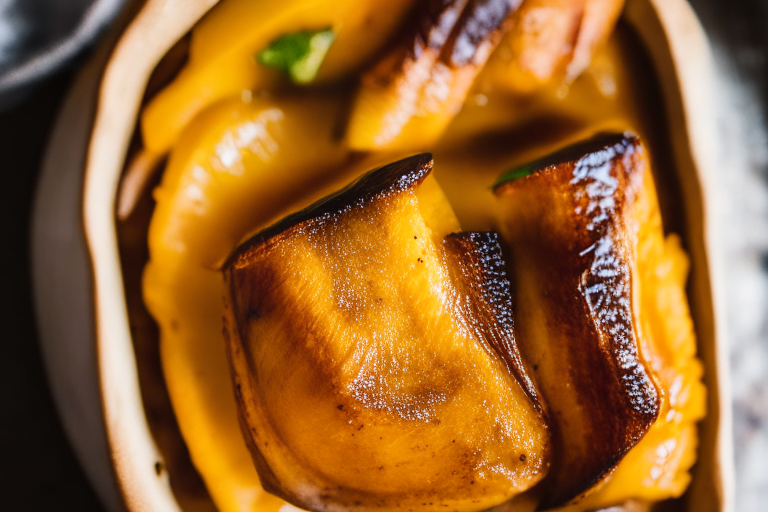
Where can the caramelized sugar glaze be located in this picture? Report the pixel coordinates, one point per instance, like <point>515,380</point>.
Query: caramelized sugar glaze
<point>249,160</point>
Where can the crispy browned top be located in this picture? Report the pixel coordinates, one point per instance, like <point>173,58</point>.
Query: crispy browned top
<point>456,28</point>
<point>379,183</point>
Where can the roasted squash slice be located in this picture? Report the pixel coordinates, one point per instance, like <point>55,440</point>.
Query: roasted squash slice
<point>374,356</point>
<point>408,98</point>
<point>573,235</point>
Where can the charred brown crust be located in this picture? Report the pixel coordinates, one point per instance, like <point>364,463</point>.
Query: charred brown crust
<point>379,183</point>
<point>477,259</point>
<point>436,21</point>
<point>456,29</point>
<point>481,21</point>
<point>612,143</point>
<point>586,255</point>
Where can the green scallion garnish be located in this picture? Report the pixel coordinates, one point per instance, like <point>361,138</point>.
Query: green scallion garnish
<point>299,54</point>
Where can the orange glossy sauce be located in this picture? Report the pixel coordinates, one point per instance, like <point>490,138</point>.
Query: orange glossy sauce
<point>251,158</point>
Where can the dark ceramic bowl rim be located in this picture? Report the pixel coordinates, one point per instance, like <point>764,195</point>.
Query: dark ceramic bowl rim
<point>17,80</point>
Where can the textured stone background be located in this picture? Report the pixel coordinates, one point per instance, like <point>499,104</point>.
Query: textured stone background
<point>739,33</point>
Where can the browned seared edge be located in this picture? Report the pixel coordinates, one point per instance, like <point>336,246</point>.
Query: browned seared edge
<point>460,32</point>
<point>475,23</point>
<point>378,183</point>
<point>478,261</point>
<point>566,222</point>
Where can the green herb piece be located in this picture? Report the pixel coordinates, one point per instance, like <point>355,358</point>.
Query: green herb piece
<point>518,172</point>
<point>572,153</point>
<point>299,54</point>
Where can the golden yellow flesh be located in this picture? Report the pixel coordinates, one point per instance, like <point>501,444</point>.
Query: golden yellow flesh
<point>222,55</point>
<point>657,467</point>
<point>235,168</point>
<point>363,380</point>
<point>552,40</point>
<point>408,98</point>
<point>183,292</point>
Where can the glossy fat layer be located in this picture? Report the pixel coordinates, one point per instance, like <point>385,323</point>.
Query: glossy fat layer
<point>375,363</point>
<point>573,253</point>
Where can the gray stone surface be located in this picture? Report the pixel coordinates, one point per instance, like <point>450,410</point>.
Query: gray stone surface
<point>738,30</point>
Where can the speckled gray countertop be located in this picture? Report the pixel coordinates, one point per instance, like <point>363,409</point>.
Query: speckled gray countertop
<point>738,30</point>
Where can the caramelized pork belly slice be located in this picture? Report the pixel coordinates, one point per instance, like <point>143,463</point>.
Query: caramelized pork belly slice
<point>408,98</point>
<point>570,227</point>
<point>374,357</point>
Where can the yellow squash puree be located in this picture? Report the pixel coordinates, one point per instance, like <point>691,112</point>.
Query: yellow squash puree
<point>224,44</point>
<point>240,161</point>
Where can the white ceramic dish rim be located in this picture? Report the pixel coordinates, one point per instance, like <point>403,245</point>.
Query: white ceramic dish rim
<point>123,433</point>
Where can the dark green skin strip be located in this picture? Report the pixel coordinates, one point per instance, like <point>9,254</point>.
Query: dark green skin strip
<point>568,153</point>
<point>515,173</point>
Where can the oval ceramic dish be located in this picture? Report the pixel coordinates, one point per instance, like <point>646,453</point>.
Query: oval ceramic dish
<point>66,265</point>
